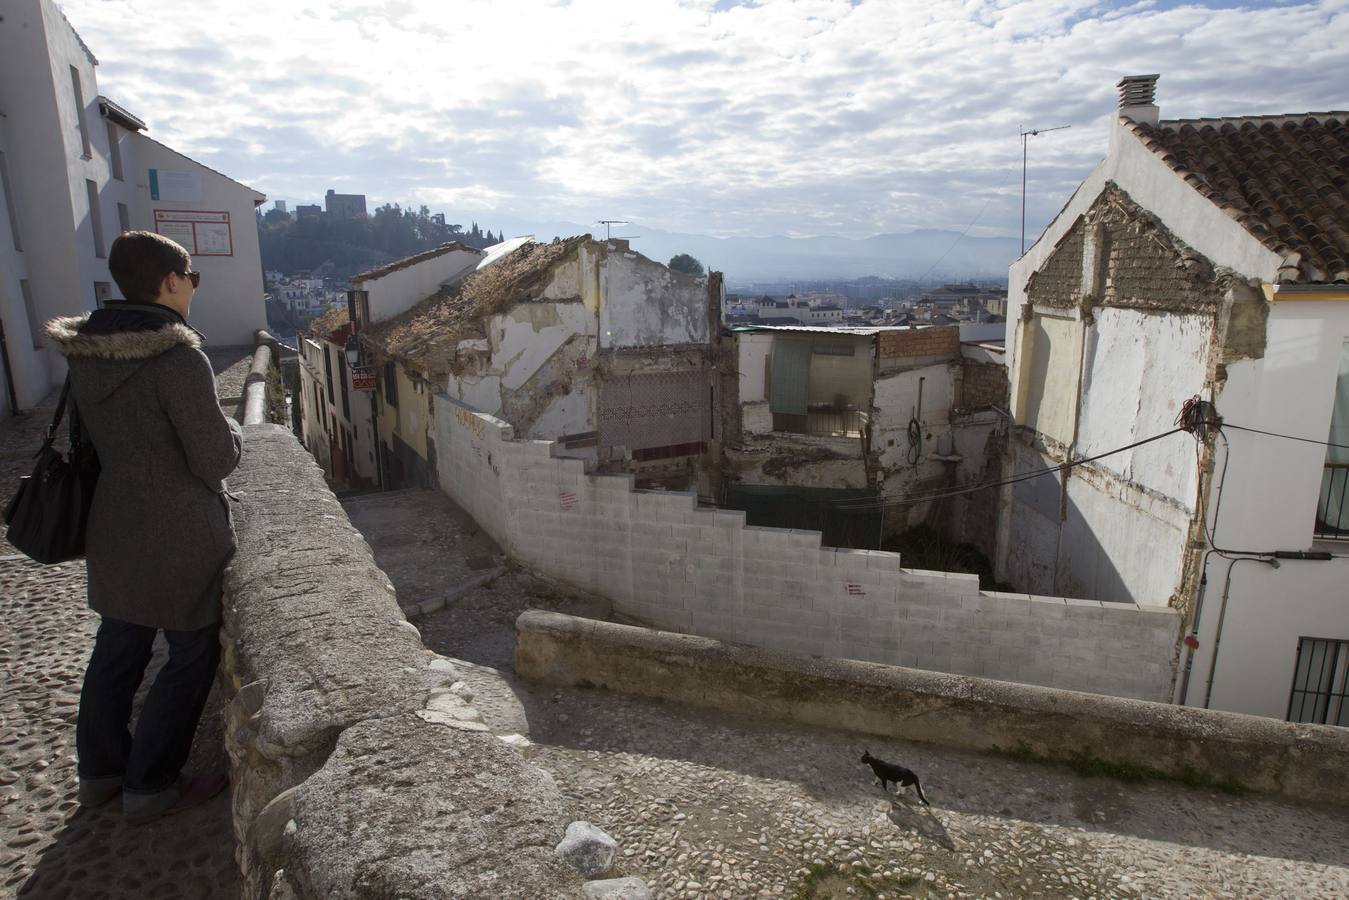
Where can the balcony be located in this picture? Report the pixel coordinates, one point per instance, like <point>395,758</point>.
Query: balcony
<point>1332,510</point>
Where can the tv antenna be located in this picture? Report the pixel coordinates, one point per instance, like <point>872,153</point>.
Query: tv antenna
<point>608,222</point>
<point>1025,135</point>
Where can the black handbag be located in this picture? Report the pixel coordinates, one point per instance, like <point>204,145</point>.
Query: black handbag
<point>49,513</point>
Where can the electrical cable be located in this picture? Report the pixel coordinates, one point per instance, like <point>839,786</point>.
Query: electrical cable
<point>869,503</point>
<point>915,436</point>
<point>1288,437</point>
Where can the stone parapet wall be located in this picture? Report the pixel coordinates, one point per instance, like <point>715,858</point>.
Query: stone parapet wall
<point>358,769</point>
<point>665,562</point>
<point>1300,762</point>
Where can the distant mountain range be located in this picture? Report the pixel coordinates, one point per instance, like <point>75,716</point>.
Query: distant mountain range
<point>929,254</point>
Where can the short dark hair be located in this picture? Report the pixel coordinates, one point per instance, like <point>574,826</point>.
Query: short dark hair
<point>140,260</point>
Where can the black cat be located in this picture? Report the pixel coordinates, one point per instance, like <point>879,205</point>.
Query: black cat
<point>888,772</point>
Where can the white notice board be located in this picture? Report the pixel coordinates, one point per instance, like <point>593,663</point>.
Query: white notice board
<point>201,232</point>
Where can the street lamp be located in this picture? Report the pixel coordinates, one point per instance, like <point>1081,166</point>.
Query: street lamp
<point>354,351</point>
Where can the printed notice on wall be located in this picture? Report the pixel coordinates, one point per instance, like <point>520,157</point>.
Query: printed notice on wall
<point>201,232</point>
<point>170,186</point>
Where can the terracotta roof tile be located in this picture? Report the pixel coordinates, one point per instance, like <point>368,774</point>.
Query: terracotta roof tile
<point>1285,179</point>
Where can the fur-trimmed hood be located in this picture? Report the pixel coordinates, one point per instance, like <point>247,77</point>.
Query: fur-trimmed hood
<point>106,348</point>
<point>74,339</point>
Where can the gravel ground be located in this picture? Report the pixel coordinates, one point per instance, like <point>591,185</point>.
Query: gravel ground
<point>49,847</point>
<point>709,805</point>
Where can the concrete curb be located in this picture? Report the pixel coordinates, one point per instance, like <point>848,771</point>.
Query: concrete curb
<point>454,593</point>
<point>1299,762</point>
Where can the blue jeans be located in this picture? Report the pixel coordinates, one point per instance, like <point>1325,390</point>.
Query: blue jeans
<point>151,760</point>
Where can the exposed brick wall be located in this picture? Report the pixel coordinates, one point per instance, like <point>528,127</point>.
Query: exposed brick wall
<point>1146,265</point>
<point>983,385</point>
<point>934,341</point>
<point>1059,281</point>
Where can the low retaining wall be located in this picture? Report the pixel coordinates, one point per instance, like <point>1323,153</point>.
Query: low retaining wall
<point>358,769</point>
<point>663,561</point>
<point>1301,762</point>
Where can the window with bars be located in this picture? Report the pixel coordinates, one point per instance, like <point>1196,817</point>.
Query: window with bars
<point>1332,506</point>
<point>1319,677</point>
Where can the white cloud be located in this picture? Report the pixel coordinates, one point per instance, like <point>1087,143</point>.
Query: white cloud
<point>784,117</point>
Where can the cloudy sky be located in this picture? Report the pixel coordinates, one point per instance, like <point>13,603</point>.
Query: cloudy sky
<point>798,117</point>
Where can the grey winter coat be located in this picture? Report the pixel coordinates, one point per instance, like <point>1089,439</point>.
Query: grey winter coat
<point>161,529</point>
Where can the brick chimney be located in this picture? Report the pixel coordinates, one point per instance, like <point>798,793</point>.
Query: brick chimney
<point>1137,98</point>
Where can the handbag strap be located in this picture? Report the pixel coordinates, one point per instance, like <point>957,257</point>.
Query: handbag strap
<point>56,419</point>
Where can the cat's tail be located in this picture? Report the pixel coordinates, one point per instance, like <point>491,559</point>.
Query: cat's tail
<point>918,786</point>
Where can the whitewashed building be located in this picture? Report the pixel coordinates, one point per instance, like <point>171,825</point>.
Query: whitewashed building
<point>340,415</point>
<point>75,171</point>
<point>1206,259</point>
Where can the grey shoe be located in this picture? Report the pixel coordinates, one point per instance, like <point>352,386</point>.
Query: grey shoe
<point>98,791</point>
<point>186,794</point>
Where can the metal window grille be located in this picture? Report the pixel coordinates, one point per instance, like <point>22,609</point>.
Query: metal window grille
<point>1332,512</point>
<point>1319,677</point>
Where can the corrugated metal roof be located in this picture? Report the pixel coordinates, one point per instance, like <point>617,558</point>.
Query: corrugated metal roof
<point>860,330</point>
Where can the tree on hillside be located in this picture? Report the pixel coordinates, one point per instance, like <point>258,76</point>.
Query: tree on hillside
<point>682,262</point>
<point>390,232</point>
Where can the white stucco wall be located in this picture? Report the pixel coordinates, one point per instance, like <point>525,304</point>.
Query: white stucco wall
<point>1269,503</point>
<point>228,307</point>
<point>525,336</point>
<point>1141,368</point>
<point>401,289</point>
<point>47,171</point>
<point>646,304</point>
<point>1154,186</point>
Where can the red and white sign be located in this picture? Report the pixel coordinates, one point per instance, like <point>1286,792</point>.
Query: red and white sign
<point>201,233</point>
<point>567,499</point>
<point>854,589</point>
<point>362,378</point>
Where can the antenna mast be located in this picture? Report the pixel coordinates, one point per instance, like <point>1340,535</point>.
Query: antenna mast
<point>1024,136</point>
<point>609,222</point>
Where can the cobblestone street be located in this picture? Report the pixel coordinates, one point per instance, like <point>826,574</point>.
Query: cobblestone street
<point>707,805</point>
<point>49,847</point>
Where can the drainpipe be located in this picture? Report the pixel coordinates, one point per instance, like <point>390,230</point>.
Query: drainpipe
<point>1192,639</point>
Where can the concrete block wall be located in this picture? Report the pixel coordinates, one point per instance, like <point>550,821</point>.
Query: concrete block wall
<point>663,561</point>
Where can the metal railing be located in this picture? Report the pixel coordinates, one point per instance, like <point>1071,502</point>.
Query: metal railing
<point>850,423</point>
<point>1332,509</point>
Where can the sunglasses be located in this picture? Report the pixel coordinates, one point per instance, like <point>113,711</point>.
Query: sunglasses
<point>194,277</point>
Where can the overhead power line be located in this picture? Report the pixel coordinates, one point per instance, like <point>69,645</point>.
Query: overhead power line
<point>868,503</point>
<point>1287,437</point>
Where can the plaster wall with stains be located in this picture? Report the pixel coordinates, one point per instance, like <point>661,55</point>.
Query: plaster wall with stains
<point>953,443</point>
<point>1120,328</point>
<point>541,362</point>
<point>645,304</point>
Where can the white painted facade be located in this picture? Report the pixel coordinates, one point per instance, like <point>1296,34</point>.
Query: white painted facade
<point>1083,385</point>
<point>74,181</point>
<point>338,423</point>
<point>392,292</point>
<point>228,306</point>
<point>535,367</point>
